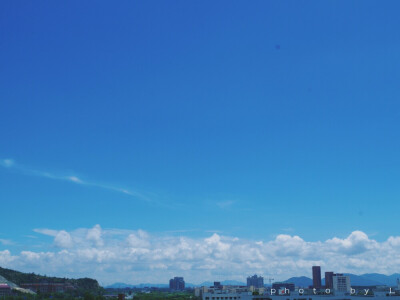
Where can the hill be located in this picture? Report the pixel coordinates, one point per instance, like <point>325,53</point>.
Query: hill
<point>119,285</point>
<point>361,280</point>
<point>390,280</point>
<point>301,281</point>
<point>81,285</point>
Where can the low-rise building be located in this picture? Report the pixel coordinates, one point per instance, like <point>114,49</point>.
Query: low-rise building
<point>199,291</point>
<point>5,289</point>
<point>283,286</point>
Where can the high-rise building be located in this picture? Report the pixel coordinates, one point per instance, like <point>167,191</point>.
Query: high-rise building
<point>341,283</point>
<point>217,285</point>
<point>177,284</point>
<point>329,280</point>
<point>316,277</point>
<point>256,281</point>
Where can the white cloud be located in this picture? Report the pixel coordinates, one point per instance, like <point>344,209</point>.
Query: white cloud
<point>94,235</point>
<point>394,241</point>
<point>6,257</point>
<point>133,256</point>
<point>63,239</point>
<point>140,239</point>
<point>357,242</point>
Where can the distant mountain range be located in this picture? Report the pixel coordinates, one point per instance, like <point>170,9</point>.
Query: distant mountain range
<point>121,285</point>
<point>302,281</point>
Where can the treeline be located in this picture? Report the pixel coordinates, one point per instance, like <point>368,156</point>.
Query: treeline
<point>89,296</point>
<point>81,285</point>
<point>55,296</point>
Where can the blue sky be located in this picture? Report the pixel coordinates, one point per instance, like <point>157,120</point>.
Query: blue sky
<point>191,118</point>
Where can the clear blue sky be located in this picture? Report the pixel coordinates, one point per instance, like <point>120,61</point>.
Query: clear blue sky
<point>249,119</point>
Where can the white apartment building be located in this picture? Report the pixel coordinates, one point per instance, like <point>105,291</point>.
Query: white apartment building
<point>341,283</point>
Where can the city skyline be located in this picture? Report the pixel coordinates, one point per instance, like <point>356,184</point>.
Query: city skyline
<point>198,139</point>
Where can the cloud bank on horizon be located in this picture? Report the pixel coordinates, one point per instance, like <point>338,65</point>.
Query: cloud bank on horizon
<point>137,256</point>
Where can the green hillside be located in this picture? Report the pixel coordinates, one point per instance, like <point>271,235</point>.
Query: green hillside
<point>81,284</point>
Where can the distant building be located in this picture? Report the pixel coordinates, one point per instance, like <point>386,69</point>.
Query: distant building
<point>329,280</point>
<point>199,291</point>
<point>316,276</point>
<point>217,285</point>
<point>121,296</point>
<point>5,289</point>
<point>341,283</point>
<point>278,286</point>
<point>256,281</point>
<point>177,284</point>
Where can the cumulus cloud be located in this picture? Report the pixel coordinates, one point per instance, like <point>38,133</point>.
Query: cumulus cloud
<point>356,242</point>
<point>5,257</point>
<point>136,256</point>
<point>139,239</point>
<point>94,235</point>
<point>63,239</point>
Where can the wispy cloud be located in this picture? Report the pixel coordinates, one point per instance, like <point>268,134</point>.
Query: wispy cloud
<point>45,231</point>
<point>288,229</point>
<point>225,204</point>
<point>6,242</point>
<point>6,163</point>
<point>11,165</point>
